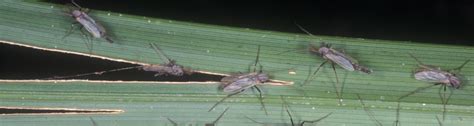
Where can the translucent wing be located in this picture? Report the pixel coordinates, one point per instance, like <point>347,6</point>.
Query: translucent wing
<point>354,61</point>
<point>229,79</point>
<point>431,76</point>
<point>240,85</point>
<point>340,60</point>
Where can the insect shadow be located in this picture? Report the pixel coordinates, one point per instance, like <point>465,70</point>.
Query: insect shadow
<point>95,29</point>
<point>369,112</point>
<point>237,83</point>
<point>437,76</point>
<point>301,123</point>
<point>334,57</point>
<point>169,67</point>
<point>213,123</point>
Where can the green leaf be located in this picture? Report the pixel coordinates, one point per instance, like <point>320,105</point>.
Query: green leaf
<point>220,49</point>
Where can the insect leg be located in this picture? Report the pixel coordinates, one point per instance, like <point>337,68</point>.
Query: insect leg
<point>310,78</point>
<point>337,84</point>
<point>397,121</point>
<point>439,121</point>
<point>369,113</point>
<point>285,105</point>
<point>93,122</point>
<point>317,120</point>
<point>460,67</point>
<point>415,91</point>
<point>302,29</point>
<point>161,54</point>
<point>218,118</point>
<point>444,99</point>
<point>220,101</point>
<point>416,59</point>
<point>95,73</point>
<point>173,122</point>
<point>261,99</point>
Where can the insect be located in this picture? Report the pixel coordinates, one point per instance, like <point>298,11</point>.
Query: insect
<point>437,76</point>
<point>237,83</point>
<point>94,28</point>
<point>334,57</point>
<point>169,67</point>
<point>369,113</point>
<point>207,124</point>
<point>285,105</point>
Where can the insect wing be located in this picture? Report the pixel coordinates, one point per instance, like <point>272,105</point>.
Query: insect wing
<point>354,61</point>
<point>431,76</point>
<point>239,85</point>
<point>340,60</point>
<point>90,25</point>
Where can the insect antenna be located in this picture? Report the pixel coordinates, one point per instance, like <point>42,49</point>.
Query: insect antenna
<point>253,120</point>
<point>89,43</point>
<point>218,118</point>
<point>303,29</point>
<point>313,76</point>
<point>75,4</point>
<point>416,59</point>
<point>397,120</point>
<point>369,113</point>
<point>336,86</point>
<point>317,120</point>
<point>444,99</point>
<point>161,54</point>
<point>416,91</point>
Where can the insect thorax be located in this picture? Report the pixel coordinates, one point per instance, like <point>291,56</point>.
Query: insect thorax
<point>323,50</point>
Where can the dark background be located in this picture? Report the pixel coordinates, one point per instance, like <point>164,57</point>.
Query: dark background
<point>429,21</point>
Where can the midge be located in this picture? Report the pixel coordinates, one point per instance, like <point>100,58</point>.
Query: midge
<point>285,105</point>
<point>207,124</point>
<point>334,57</point>
<point>94,28</point>
<point>437,76</point>
<point>234,84</point>
<point>169,67</point>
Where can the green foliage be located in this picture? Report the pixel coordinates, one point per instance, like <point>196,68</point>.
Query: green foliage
<point>221,49</point>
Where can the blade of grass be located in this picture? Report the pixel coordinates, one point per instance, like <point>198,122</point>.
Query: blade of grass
<point>223,49</point>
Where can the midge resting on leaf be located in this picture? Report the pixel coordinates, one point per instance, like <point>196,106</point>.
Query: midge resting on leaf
<point>285,105</point>
<point>169,67</point>
<point>437,76</point>
<point>94,28</point>
<point>237,83</point>
<point>334,57</point>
